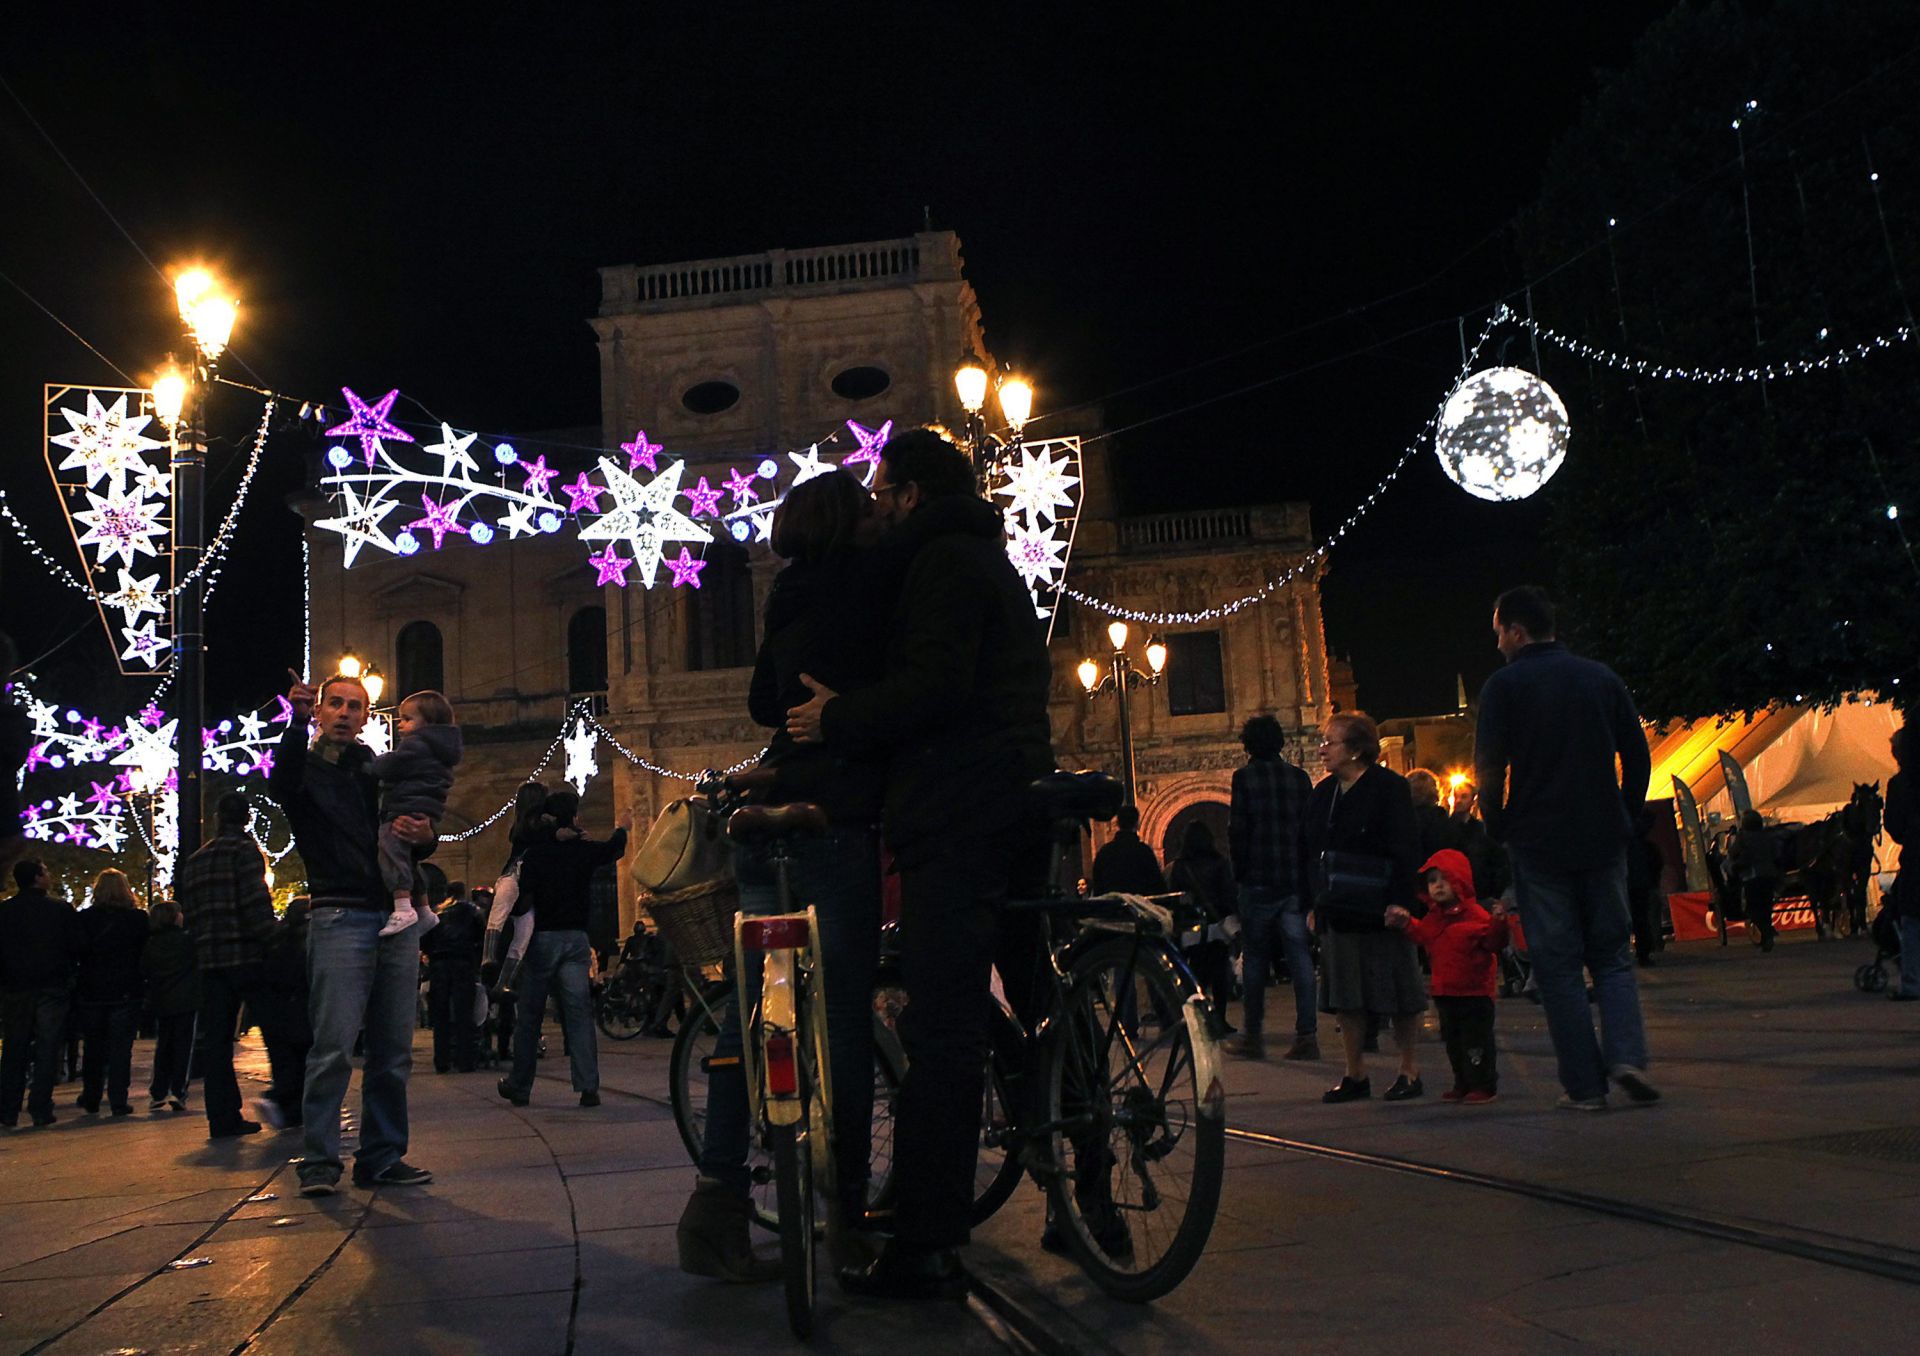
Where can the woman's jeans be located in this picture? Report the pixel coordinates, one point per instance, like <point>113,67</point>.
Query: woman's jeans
<point>1268,922</point>
<point>840,876</point>
<point>556,961</point>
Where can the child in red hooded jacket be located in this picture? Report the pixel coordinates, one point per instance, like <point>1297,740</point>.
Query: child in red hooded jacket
<point>1462,941</point>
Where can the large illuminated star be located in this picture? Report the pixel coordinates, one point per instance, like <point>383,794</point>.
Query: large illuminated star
<point>612,566</point>
<point>135,596</point>
<point>143,644</point>
<point>807,464</point>
<point>583,496</point>
<point>644,517</point>
<point>705,499</point>
<point>686,570</point>
<point>640,452</point>
<point>369,423</point>
<point>580,765</point>
<point>871,441</point>
<point>119,525</point>
<point>106,441</point>
<point>440,520</point>
<point>519,520</point>
<point>148,756</point>
<point>360,524</point>
<point>1039,486</point>
<point>455,460</point>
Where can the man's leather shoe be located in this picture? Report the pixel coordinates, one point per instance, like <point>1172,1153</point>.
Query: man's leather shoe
<point>507,1090</point>
<point>902,1271</point>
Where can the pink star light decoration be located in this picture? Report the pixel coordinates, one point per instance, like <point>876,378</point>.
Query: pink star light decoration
<point>103,797</point>
<point>740,485</point>
<point>538,474</point>
<point>705,499</point>
<point>95,730</point>
<point>151,715</point>
<point>369,423</point>
<point>36,756</point>
<point>686,570</point>
<point>640,452</point>
<point>440,520</point>
<point>285,713</point>
<point>584,495</point>
<point>612,566</point>
<point>265,764</point>
<point>871,441</point>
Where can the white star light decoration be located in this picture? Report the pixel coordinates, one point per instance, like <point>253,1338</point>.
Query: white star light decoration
<point>1502,434</point>
<point>1041,514</point>
<point>644,517</point>
<point>106,442</point>
<point>579,742</point>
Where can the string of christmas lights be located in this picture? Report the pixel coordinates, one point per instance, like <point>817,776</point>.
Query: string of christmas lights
<point>1648,367</point>
<point>659,771</point>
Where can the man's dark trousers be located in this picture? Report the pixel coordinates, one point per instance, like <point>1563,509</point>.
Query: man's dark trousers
<point>109,1029</point>
<point>222,991</point>
<point>36,1019</point>
<point>450,985</point>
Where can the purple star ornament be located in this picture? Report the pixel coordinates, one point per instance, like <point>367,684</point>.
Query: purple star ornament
<point>612,567</point>
<point>583,495</point>
<point>369,423</point>
<point>440,520</point>
<point>686,570</point>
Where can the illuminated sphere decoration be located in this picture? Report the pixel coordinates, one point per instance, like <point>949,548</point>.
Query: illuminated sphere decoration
<point>1502,434</point>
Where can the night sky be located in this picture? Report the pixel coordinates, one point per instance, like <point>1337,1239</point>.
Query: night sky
<point>1244,241</point>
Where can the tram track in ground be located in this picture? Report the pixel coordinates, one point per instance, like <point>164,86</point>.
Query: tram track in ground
<point>1885,1262</point>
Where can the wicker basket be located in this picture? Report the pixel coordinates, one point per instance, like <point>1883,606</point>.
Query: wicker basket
<point>698,921</point>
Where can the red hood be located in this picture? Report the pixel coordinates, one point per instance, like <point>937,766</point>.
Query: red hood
<point>1455,870</point>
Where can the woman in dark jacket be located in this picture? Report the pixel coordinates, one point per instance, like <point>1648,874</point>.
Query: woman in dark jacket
<point>1365,809</point>
<point>1206,877</point>
<point>826,618</point>
<point>173,997</point>
<point>109,991</point>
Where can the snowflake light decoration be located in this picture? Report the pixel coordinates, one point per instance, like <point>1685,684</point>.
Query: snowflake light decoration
<point>1502,434</point>
<point>579,743</point>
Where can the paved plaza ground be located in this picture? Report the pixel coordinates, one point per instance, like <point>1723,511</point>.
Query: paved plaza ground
<point>1792,1112</point>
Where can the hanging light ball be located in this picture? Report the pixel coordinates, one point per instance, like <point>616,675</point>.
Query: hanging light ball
<point>1502,434</point>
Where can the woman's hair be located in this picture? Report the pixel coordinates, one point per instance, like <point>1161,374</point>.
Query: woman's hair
<point>1197,841</point>
<point>528,802</point>
<point>111,887</point>
<point>166,914</point>
<point>434,708</point>
<point>1425,787</point>
<point>819,516</point>
<point>1361,734</point>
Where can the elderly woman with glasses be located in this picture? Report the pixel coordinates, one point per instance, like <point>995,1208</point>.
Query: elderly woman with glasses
<point>1363,845</point>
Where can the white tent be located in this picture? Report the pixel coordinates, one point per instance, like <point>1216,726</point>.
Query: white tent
<point>1810,770</point>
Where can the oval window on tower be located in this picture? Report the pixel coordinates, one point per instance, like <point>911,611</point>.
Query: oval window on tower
<point>861,383</point>
<point>711,397</point>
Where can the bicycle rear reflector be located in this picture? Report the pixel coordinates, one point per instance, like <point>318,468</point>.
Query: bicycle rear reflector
<point>781,1079</point>
<point>770,934</point>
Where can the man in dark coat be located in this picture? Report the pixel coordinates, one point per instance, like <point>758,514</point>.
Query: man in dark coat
<point>1125,864</point>
<point>453,971</point>
<point>961,712</point>
<point>1265,833</point>
<point>40,948</point>
<point>1557,724</point>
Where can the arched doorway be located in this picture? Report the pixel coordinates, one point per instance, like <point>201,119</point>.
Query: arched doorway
<point>1212,813</point>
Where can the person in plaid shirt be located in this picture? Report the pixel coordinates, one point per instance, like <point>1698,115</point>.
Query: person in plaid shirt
<point>222,891</point>
<point>1263,832</point>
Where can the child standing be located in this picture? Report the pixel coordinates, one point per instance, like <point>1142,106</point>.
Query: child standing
<point>415,776</point>
<point>1462,941</point>
<point>173,997</point>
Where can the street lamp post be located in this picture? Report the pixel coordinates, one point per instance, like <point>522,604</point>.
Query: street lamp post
<point>987,451</point>
<point>208,314</point>
<point>1121,677</point>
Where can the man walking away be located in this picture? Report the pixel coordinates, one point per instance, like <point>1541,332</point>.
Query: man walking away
<point>1551,728</point>
<point>453,970</point>
<point>40,948</point>
<point>1264,833</point>
<point>222,891</point>
<point>558,877</point>
<point>1126,865</point>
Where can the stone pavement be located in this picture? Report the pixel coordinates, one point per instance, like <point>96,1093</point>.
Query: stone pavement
<point>1793,1106</point>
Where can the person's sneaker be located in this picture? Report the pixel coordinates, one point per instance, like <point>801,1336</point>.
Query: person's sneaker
<point>1303,1047</point>
<point>1634,1083</point>
<point>1479,1097</point>
<point>157,1104</point>
<point>47,1118</point>
<point>234,1131</point>
<point>319,1181</point>
<point>397,1173</point>
<point>269,1112</point>
<point>177,1103</point>
<point>1348,1090</point>
<point>507,1090</point>
<point>589,1099</point>
<point>1454,1094</point>
<point>1404,1089</point>
<point>123,1108</point>
<point>1245,1046</point>
<point>1568,1102</point>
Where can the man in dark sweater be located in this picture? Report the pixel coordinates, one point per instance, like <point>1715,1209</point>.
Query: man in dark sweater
<point>453,971</point>
<point>556,878</point>
<point>960,711</point>
<point>1551,729</point>
<point>40,948</point>
<point>357,979</point>
<point>1265,831</point>
<point>1125,864</point>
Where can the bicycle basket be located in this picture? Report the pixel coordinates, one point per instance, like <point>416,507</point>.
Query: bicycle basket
<point>698,921</point>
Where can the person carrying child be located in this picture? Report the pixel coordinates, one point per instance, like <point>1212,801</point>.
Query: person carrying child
<point>1462,941</point>
<point>415,776</point>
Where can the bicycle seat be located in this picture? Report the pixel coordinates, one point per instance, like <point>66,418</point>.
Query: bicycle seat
<point>753,824</point>
<point>1079,795</point>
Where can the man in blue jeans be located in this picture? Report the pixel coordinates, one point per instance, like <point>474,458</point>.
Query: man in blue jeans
<point>358,980</point>
<point>557,878</point>
<point>1551,728</point>
<point>1263,833</point>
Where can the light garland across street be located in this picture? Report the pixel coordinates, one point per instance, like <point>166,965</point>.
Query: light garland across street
<point>1776,371</point>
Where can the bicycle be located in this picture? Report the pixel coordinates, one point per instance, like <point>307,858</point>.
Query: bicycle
<point>642,994</point>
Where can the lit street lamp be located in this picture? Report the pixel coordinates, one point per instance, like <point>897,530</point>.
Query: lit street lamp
<point>180,398</point>
<point>989,451</point>
<point>1121,677</point>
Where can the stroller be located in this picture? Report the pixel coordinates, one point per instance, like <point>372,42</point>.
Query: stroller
<point>1885,931</point>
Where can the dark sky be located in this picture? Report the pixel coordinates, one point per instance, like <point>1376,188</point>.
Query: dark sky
<point>1176,208</point>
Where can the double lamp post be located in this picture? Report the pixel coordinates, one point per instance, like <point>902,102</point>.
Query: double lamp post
<point>1120,678</point>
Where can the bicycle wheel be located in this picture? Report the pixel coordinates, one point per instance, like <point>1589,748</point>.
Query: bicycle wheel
<point>616,1013</point>
<point>996,1171</point>
<point>1137,1139</point>
<point>687,1069</point>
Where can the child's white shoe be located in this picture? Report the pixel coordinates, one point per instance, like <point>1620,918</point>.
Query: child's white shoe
<point>429,920</point>
<point>402,918</point>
